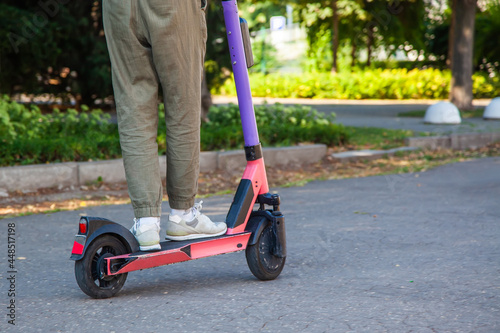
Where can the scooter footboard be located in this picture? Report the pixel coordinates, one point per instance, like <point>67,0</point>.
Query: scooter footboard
<point>175,252</point>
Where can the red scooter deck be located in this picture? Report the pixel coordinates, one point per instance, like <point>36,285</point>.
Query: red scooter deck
<point>173,252</point>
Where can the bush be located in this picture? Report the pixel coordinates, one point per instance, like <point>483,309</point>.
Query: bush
<point>484,86</point>
<point>278,126</point>
<point>27,136</point>
<point>368,84</point>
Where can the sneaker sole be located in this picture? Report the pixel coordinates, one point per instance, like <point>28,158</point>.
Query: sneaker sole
<point>155,247</point>
<point>194,236</point>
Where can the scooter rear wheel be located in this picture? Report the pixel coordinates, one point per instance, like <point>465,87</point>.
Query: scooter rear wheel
<point>260,259</point>
<point>89,271</point>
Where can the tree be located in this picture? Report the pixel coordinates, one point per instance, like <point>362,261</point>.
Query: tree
<point>364,24</point>
<point>328,24</point>
<point>486,47</point>
<point>54,47</point>
<point>26,48</point>
<point>217,60</point>
<point>462,53</point>
<point>335,34</point>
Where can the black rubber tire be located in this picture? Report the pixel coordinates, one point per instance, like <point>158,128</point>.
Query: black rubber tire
<point>262,263</point>
<point>87,269</point>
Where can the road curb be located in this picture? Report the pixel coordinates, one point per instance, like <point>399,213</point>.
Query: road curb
<point>234,160</point>
<point>33,177</point>
<point>454,141</point>
<point>368,154</point>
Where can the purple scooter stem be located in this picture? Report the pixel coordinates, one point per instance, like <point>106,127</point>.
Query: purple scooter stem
<point>240,70</point>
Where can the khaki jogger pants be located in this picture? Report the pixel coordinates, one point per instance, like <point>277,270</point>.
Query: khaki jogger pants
<point>153,42</point>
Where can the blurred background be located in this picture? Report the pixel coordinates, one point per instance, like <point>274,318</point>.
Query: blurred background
<point>55,51</point>
<point>56,97</point>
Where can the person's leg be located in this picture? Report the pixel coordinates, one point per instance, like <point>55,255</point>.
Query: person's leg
<point>178,34</point>
<point>135,85</point>
<point>177,30</point>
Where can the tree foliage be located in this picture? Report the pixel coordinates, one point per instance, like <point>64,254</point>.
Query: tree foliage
<point>58,46</point>
<point>363,24</point>
<point>486,48</point>
<point>55,47</point>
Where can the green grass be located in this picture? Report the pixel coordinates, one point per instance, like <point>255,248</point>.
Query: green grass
<point>377,138</point>
<point>477,113</point>
<point>298,183</point>
<point>412,114</point>
<point>8,216</point>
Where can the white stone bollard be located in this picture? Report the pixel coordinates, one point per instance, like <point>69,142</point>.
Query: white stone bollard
<point>492,111</point>
<point>442,113</point>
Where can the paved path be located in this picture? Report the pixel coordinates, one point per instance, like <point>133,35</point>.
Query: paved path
<point>383,114</point>
<point>386,116</point>
<point>401,253</point>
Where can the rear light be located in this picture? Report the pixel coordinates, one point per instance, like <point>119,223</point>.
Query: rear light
<point>83,226</point>
<point>78,245</point>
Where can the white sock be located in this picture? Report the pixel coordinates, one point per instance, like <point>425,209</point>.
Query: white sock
<point>149,220</point>
<point>187,214</point>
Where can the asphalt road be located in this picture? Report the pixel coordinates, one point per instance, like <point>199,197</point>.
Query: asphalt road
<point>384,114</point>
<point>400,253</point>
<point>387,116</point>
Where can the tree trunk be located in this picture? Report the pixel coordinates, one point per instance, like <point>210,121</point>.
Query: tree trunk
<point>206,98</point>
<point>335,37</point>
<point>449,58</point>
<point>369,45</point>
<point>353,54</point>
<point>463,47</point>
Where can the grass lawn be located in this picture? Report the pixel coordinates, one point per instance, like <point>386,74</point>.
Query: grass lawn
<point>477,113</point>
<point>376,138</point>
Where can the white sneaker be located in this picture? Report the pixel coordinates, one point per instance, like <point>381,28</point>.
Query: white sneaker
<point>200,226</point>
<point>147,232</point>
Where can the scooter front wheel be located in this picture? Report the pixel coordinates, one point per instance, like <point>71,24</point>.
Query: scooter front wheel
<point>90,270</point>
<point>260,258</point>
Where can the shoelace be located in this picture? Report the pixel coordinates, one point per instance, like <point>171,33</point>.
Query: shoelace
<point>197,208</point>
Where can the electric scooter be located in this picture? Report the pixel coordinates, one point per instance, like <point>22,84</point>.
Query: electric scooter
<point>105,251</point>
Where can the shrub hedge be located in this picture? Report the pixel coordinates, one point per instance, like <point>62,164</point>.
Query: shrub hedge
<point>29,137</point>
<point>278,126</point>
<point>366,84</point>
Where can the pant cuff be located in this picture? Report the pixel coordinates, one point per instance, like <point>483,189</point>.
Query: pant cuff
<point>147,212</point>
<point>181,203</point>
